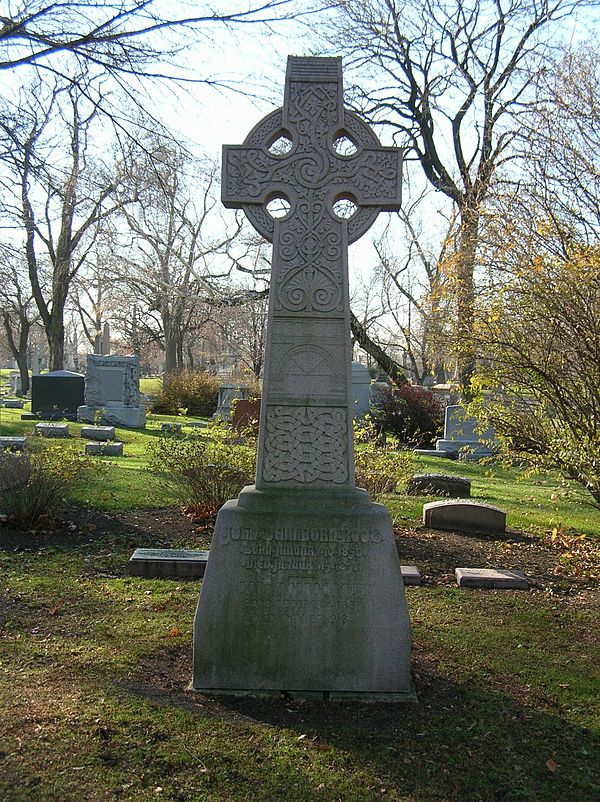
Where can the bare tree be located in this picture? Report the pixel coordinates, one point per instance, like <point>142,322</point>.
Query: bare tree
<point>121,37</point>
<point>449,80</point>
<point>175,253</point>
<point>17,308</point>
<point>63,195</point>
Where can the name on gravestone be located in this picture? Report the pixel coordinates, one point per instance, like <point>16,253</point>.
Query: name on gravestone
<point>303,591</point>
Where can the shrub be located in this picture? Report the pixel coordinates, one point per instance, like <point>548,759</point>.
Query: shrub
<point>33,484</point>
<point>378,467</point>
<point>193,391</point>
<point>414,415</point>
<point>204,470</point>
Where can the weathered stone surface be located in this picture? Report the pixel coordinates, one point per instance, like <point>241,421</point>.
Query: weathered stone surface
<point>303,591</point>
<point>98,432</point>
<point>52,429</point>
<point>112,391</point>
<point>491,578</point>
<point>114,449</point>
<point>13,443</point>
<point>182,563</point>
<point>464,516</point>
<point>438,484</point>
<point>302,601</point>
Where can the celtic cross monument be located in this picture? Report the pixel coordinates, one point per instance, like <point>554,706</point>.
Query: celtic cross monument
<point>303,592</point>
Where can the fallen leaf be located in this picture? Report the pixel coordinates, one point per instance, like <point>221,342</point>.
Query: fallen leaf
<point>301,737</point>
<point>174,632</point>
<point>53,610</point>
<point>551,765</point>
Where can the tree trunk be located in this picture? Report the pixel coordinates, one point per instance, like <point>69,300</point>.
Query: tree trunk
<point>55,334</point>
<point>19,349</point>
<point>385,362</point>
<point>465,299</point>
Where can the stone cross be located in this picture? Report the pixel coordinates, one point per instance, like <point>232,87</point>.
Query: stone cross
<point>294,155</point>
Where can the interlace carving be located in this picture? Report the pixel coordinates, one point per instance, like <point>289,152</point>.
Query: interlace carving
<point>306,444</point>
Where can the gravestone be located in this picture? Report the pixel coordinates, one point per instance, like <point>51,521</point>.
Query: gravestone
<point>56,395</point>
<point>465,516</point>
<point>14,379</point>
<point>498,578</point>
<point>52,430</point>
<point>104,449</point>
<point>112,391</point>
<point>463,437</point>
<point>228,393</point>
<point>361,385</point>
<point>303,592</point>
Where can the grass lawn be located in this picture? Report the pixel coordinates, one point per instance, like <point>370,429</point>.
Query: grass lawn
<point>94,666</point>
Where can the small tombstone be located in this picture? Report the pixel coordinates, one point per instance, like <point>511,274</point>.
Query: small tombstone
<point>15,383</point>
<point>112,391</point>
<point>102,433</point>
<point>52,430</point>
<point>14,403</point>
<point>465,516</point>
<point>12,443</point>
<point>411,575</point>
<point>361,385</point>
<point>56,395</point>
<point>438,484</point>
<point>181,563</point>
<point>114,449</point>
<point>170,428</point>
<point>227,394</point>
<point>491,578</point>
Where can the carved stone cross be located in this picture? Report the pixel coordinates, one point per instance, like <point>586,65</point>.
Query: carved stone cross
<point>306,418</point>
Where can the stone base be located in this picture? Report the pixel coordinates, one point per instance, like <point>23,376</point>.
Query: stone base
<point>128,417</point>
<point>313,696</point>
<point>430,452</point>
<point>14,403</point>
<point>303,594</point>
<point>13,443</point>
<point>469,450</point>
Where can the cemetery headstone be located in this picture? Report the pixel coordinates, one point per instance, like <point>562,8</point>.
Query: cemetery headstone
<point>102,433</point>
<point>491,578</point>
<point>464,516</point>
<point>438,484</point>
<point>12,443</point>
<point>463,437</point>
<point>105,449</point>
<point>361,385</point>
<point>303,590</point>
<point>56,395</point>
<point>183,563</point>
<point>112,391</point>
<point>14,403</point>
<point>15,383</point>
<point>54,430</point>
<point>228,393</point>
<point>106,339</point>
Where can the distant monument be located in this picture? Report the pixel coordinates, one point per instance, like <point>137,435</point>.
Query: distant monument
<point>112,392</point>
<point>303,592</point>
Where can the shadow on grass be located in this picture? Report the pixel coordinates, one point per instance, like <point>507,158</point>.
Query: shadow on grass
<point>460,742</point>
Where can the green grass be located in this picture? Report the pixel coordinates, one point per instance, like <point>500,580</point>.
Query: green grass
<point>94,665</point>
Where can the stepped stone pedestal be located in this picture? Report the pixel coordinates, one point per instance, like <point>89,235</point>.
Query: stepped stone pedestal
<point>303,591</point>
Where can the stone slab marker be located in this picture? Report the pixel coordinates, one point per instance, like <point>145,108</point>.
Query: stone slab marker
<point>303,592</point>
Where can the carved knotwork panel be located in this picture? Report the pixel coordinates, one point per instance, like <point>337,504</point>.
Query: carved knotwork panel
<point>306,445</point>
